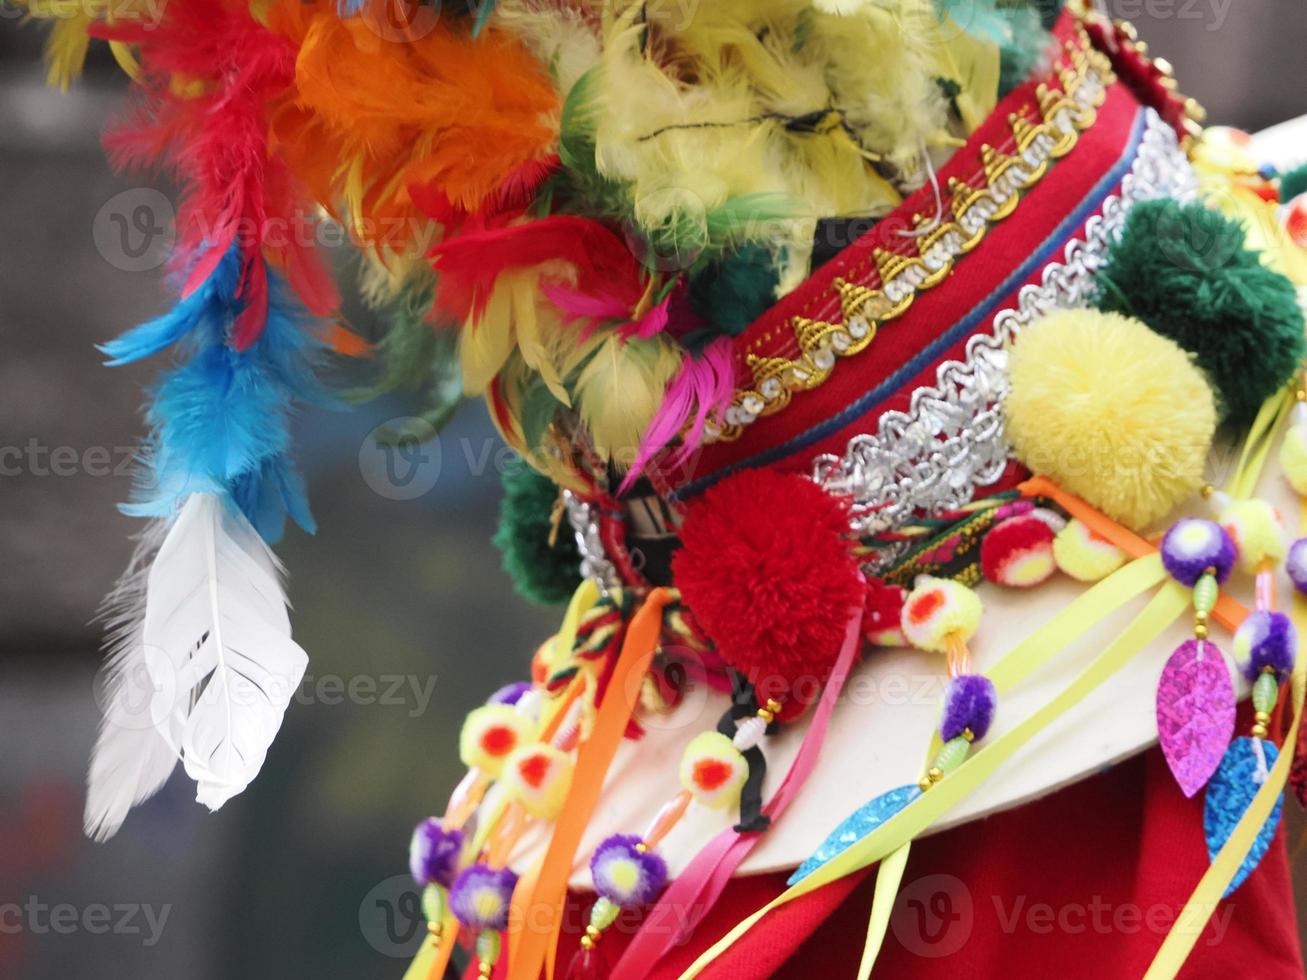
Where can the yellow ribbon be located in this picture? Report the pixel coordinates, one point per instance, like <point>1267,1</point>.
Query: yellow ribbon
<point>1202,903</point>
<point>909,822</point>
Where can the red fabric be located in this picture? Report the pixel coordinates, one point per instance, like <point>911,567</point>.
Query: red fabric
<point>1081,884</point>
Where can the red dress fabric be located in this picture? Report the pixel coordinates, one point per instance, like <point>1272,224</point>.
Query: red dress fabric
<point>1084,883</point>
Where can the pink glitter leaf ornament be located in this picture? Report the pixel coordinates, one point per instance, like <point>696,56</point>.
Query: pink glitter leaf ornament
<point>1195,712</point>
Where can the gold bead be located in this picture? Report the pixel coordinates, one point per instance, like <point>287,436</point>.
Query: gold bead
<point>587,942</point>
<point>1268,669</point>
<point>968,734</point>
<point>924,784</point>
<point>935,774</point>
<point>1200,616</point>
<point>1259,731</point>
<point>1207,490</point>
<point>593,932</point>
<point>1200,631</point>
<point>485,969</point>
<point>435,929</point>
<point>1262,717</point>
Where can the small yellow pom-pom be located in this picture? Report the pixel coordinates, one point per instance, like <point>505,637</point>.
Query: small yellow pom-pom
<point>490,735</point>
<point>539,776</point>
<point>1084,555</point>
<point>1256,530</point>
<point>1293,458</point>
<point>1112,411</point>
<point>937,609</point>
<point>713,770</point>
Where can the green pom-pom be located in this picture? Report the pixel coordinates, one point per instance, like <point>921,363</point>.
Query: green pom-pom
<point>732,293</point>
<point>540,573</point>
<point>1185,271</point>
<point>1293,183</point>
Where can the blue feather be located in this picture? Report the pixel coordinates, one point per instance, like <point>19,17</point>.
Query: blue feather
<point>348,8</point>
<point>220,419</point>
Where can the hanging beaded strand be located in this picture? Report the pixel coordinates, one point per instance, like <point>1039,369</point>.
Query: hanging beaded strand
<point>626,869</point>
<point>941,616</point>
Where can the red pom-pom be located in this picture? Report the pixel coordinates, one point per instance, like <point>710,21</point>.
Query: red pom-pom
<point>767,569</point>
<point>882,614</point>
<point>1018,552</point>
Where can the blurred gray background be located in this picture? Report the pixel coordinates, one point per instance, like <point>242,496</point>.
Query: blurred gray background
<point>400,602</point>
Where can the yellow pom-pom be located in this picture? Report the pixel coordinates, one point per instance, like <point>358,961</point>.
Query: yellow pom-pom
<point>937,609</point>
<point>490,735</point>
<point>539,776</point>
<point>1257,532</point>
<point>1293,458</point>
<point>1112,411</point>
<point>713,770</point>
<point>1084,555</point>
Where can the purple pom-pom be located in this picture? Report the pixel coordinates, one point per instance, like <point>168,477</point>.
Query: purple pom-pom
<point>969,702</point>
<point>433,853</point>
<point>1296,564</point>
<point>510,693</point>
<point>1266,639</point>
<point>624,874</point>
<point>1194,545</point>
<point>481,895</point>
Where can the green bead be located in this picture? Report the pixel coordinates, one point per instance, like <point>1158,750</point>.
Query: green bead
<point>1266,691</point>
<point>603,913</point>
<point>435,905</point>
<point>1206,593</point>
<point>953,754</point>
<point>488,946</point>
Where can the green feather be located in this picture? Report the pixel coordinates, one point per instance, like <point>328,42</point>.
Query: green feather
<point>1185,270</point>
<point>540,572</point>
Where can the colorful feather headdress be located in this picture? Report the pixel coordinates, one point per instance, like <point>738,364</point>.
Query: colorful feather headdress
<point>808,317</point>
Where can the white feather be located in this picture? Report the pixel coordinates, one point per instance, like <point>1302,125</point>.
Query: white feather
<point>131,760</point>
<point>202,666</point>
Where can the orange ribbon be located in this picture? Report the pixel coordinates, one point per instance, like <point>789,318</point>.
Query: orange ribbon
<point>537,910</point>
<point>1229,612</point>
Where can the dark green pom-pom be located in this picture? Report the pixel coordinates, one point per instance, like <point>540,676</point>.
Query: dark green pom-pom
<point>1293,183</point>
<point>1186,272</point>
<point>732,293</point>
<point>540,573</point>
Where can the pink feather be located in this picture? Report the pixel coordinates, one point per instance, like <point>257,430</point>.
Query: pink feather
<point>703,386</point>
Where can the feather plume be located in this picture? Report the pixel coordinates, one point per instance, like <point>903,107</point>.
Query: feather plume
<point>373,117</point>
<point>211,135</point>
<point>131,760</point>
<point>619,390</point>
<point>217,646</point>
<point>703,386</point>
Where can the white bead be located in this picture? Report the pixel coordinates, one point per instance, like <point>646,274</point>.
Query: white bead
<point>749,733</point>
<point>1298,417</point>
<point>1219,501</point>
<point>528,705</point>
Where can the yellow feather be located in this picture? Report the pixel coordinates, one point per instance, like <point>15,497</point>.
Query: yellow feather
<point>65,49</point>
<point>620,389</point>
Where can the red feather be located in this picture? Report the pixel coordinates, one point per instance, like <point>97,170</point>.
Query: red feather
<point>470,265</point>
<point>211,76</point>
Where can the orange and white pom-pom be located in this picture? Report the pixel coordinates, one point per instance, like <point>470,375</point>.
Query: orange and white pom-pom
<point>1018,552</point>
<point>539,776</point>
<point>713,770</point>
<point>1293,456</point>
<point>937,611</point>
<point>1085,555</point>
<point>1256,529</point>
<point>491,734</point>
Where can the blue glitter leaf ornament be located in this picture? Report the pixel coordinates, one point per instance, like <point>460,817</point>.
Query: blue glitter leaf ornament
<point>856,826</point>
<point>1236,781</point>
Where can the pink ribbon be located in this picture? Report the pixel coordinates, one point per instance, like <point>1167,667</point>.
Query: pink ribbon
<point>698,887</point>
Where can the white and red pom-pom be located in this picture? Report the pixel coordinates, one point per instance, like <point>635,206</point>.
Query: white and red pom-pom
<point>539,777</point>
<point>1018,552</point>
<point>938,611</point>
<point>713,770</point>
<point>491,734</point>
